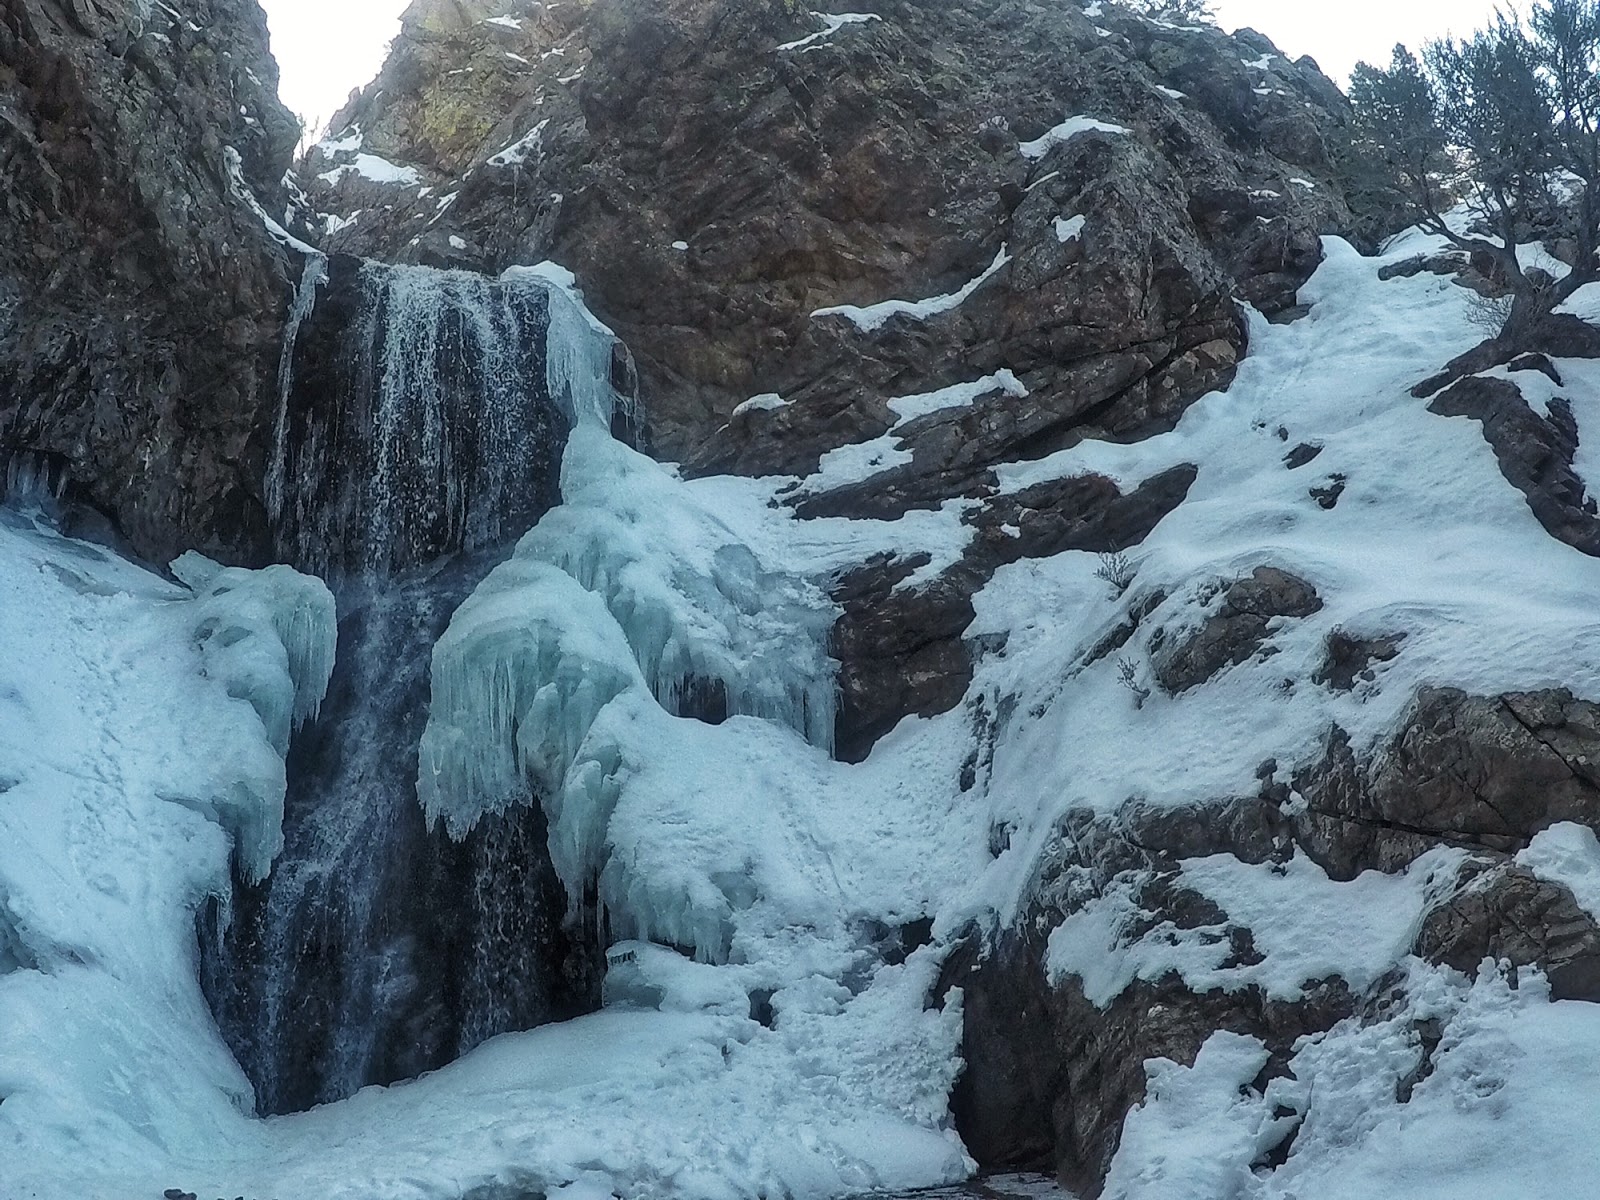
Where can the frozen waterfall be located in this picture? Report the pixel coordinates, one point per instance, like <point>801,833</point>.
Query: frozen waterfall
<point>419,416</point>
<point>421,423</point>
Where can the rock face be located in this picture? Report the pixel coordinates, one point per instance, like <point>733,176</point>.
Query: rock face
<point>140,301</point>
<point>714,174</point>
<point>1084,199</point>
<point>1237,630</point>
<point>1051,1074</point>
<point>1535,452</point>
<point>1481,772</point>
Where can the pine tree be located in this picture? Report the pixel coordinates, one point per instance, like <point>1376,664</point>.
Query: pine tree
<point>1509,120</point>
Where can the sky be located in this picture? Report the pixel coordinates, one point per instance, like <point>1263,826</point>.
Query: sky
<point>325,48</point>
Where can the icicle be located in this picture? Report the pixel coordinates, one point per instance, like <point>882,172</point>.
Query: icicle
<point>578,348</point>
<point>269,638</point>
<point>695,604</point>
<point>312,276</point>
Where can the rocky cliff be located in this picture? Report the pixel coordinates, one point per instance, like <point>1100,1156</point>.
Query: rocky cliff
<point>761,200</point>
<point>141,299</point>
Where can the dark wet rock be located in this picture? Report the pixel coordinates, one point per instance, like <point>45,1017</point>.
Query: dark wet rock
<point>140,301</point>
<point>1349,658</point>
<point>1560,335</point>
<point>1535,454</point>
<point>1482,772</point>
<point>1536,362</point>
<point>1237,631</point>
<point>1327,494</point>
<point>1509,913</point>
<point>900,649</point>
<point>1008,1185</point>
<point>1050,1076</point>
<point>1302,454</point>
<point>1450,262</point>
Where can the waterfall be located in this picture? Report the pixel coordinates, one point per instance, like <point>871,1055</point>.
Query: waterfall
<point>421,421</point>
<point>417,418</point>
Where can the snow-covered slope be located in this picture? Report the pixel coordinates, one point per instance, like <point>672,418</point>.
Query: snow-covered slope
<point>141,733</point>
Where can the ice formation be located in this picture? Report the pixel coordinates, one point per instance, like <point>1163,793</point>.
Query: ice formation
<point>126,769</point>
<point>625,606</point>
<point>442,413</point>
<point>268,637</point>
<point>579,348</point>
<point>313,275</point>
<point>528,662</point>
<point>695,603</point>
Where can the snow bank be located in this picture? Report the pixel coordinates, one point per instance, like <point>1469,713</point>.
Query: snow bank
<point>373,169</point>
<point>1304,926</point>
<point>130,769</point>
<point>1428,541</point>
<point>1492,1114</point>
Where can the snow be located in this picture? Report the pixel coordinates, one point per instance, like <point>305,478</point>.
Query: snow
<point>1171,93</point>
<point>858,461</point>
<point>766,402</point>
<point>1305,927</point>
<point>128,776</point>
<point>680,246</point>
<point>503,22</point>
<point>1070,229</point>
<point>1070,128</point>
<point>519,151</point>
<point>241,191</point>
<point>1428,540</point>
<point>873,317</point>
<point>347,142</point>
<point>831,24</point>
<point>739,862</point>
<point>1567,854</point>
<point>1510,1080</point>
<point>372,168</point>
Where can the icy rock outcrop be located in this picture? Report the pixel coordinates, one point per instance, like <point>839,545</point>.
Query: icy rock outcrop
<point>563,679</point>
<point>269,638</point>
<point>696,605</point>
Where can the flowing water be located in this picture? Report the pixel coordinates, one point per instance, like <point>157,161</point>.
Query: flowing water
<point>421,422</point>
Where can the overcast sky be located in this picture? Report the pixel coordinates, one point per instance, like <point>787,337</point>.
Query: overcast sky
<point>327,47</point>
